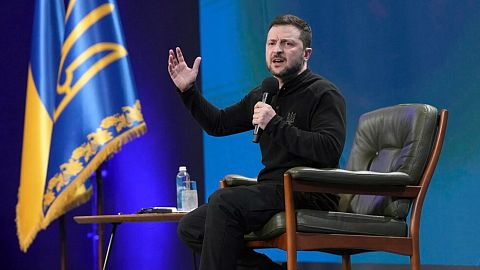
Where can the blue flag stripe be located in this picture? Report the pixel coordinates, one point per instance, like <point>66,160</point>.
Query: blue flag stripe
<point>47,38</point>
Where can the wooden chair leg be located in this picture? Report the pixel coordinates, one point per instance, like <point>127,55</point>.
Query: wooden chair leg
<point>290,224</point>
<point>415,261</point>
<point>346,262</point>
<point>292,260</point>
<point>415,258</point>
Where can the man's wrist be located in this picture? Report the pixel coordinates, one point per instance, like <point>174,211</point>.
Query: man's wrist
<point>272,123</point>
<point>187,89</point>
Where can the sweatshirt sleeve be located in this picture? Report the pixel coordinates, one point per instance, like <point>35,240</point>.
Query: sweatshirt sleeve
<point>215,121</point>
<point>324,142</point>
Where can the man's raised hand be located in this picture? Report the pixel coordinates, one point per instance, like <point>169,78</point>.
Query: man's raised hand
<point>182,76</point>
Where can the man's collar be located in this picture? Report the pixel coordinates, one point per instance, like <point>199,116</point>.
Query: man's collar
<point>296,80</point>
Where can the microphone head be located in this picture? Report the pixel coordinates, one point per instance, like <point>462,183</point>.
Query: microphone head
<point>270,85</point>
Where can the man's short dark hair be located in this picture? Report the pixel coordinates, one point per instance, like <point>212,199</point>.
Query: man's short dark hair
<point>300,24</point>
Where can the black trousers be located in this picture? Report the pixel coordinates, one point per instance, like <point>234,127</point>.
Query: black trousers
<point>216,229</point>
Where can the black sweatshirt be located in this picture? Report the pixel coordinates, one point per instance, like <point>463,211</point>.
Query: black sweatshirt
<point>307,130</point>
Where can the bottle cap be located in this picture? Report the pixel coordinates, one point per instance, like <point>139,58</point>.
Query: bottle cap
<point>182,168</point>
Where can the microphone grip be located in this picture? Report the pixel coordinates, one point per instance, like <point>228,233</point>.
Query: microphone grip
<point>257,131</point>
<point>256,134</point>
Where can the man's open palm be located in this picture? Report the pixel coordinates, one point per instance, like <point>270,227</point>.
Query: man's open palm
<point>183,76</point>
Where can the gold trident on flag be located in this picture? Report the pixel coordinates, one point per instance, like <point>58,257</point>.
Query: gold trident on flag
<point>117,51</point>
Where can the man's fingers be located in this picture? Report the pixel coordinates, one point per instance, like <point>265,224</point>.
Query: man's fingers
<point>180,55</point>
<point>196,64</point>
<point>171,63</point>
<point>260,104</point>
<point>171,58</point>
<point>262,114</point>
<point>171,69</point>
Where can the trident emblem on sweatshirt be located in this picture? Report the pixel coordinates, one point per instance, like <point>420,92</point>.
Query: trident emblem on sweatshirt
<point>291,118</point>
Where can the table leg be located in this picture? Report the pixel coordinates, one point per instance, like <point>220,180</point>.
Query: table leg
<point>110,244</point>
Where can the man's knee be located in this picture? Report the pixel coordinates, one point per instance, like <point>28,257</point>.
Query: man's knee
<point>191,227</point>
<point>216,197</point>
<point>183,230</point>
<point>224,196</point>
<point>227,202</point>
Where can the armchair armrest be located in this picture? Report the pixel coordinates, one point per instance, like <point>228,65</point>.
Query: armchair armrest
<point>351,182</point>
<point>232,180</point>
<point>339,176</point>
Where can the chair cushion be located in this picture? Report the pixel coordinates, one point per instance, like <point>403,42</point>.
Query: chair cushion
<point>332,222</point>
<point>393,139</point>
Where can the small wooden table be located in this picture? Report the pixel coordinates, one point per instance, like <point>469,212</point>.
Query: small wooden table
<point>116,220</point>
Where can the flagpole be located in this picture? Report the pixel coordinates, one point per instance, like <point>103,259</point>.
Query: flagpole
<point>100,229</point>
<point>63,243</point>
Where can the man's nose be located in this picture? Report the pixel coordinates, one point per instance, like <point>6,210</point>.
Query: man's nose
<point>278,47</point>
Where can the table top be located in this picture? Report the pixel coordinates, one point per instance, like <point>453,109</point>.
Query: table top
<point>120,218</point>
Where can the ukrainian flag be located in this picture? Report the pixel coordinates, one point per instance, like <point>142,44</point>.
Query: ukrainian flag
<point>81,108</point>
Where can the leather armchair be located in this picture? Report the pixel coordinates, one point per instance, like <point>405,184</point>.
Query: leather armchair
<point>390,166</point>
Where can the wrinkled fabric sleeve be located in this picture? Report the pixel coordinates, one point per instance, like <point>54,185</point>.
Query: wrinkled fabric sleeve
<point>324,142</point>
<point>215,121</point>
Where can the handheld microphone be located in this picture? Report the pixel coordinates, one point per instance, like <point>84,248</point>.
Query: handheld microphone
<point>269,87</point>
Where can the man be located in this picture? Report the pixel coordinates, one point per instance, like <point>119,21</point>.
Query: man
<point>306,127</point>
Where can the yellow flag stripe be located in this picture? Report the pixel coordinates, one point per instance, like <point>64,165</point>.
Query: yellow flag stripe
<point>36,148</point>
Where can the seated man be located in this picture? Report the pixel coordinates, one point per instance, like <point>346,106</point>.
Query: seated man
<point>305,127</point>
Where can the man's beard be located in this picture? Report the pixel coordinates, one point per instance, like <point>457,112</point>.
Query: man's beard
<point>289,72</point>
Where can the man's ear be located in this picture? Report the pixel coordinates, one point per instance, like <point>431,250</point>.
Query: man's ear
<point>307,53</point>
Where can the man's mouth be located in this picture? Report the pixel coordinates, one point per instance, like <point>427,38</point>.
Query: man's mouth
<point>278,60</point>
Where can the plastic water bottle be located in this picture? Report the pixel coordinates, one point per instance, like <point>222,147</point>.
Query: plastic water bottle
<point>187,198</point>
<point>182,176</point>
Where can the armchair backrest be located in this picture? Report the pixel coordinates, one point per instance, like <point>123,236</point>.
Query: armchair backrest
<point>392,139</point>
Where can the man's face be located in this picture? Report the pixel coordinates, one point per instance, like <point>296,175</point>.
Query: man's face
<point>284,51</point>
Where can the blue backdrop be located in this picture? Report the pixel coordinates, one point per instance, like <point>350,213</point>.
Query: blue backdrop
<point>379,53</point>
